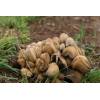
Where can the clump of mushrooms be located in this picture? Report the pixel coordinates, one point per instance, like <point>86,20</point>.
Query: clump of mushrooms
<point>52,59</point>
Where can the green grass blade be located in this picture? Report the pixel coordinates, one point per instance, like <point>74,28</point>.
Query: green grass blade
<point>6,66</point>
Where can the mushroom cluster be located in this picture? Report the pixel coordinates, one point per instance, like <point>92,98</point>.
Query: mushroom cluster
<point>57,59</point>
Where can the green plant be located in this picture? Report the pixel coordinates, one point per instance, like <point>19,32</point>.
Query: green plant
<point>94,33</point>
<point>7,47</point>
<point>92,77</point>
<point>24,79</point>
<point>5,77</point>
<point>6,66</point>
<point>20,23</point>
<point>7,21</point>
<point>81,34</point>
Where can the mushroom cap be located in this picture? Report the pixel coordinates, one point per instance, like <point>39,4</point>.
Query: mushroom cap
<point>31,64</point>
<point>53,70</point>
<point>49,46</point>
<point>81,64</point>
<point>30,54</point>
<point>30,45</point>
<point>70,42</point>
<point>21,53</point>
<point>41,66</point>
<point>71,52</point>
<point>21,62</point>
<point>62,46</point>
<point>68,61</point>
<point>63,37</point>
<point>56,42</point>
<point>39,43</point>
<point>62,61</point>
<point>37,50</point>
<point>74,76</point>
<point>35,71</point>
<point>45,57</point>
<point>26,72</point>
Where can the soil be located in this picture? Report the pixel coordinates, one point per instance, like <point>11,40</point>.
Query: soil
<point>53,26</point>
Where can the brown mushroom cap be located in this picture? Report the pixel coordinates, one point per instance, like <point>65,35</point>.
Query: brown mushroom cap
<point>40,43</point>
<point>68,61</point>
<point>30,45</point>
<point>21,53</point>
<point>41,66</point>
<point>70,42</point>
<point>45,57</point>
<point>53,70</point>
<point>81,64</point>
<point>56,42</point>
<point>35,71</point>
<point>26,72</point>
<point>49,46</point>
<point>74,76</point>
<point>62,46</point>
<point>31,64</point>
<point>30,54</point>
<point>71,52</point>
<point>37,50</point>
<point>63,37</point>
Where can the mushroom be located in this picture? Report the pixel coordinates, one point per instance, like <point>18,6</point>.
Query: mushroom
<point>39,78</point>
<point>56,57</point>
<point>70,42</point>
<point>37,50</point>
<point>26,72</point>
<point>56,42</point>
<point>35,71</point>
<point>41,66</point>
<point>53,70</point>
<point>40,44</point>
<point>68,61</point>
<point>63,37</point>
<point>62,47</point>
<point>31,64</point>
<point>49,58</point>
<point>45,57</point>
<point>30,45</point>
<point>71,52</point>
<point>63,61</point>
<point>21,53</point>
<point>21,58</point>
<point>74,76</point>
<point>30,54</point>
<point>21,62</point>
<point>81,64</point>
<point>49,46</point>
